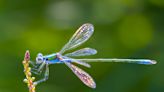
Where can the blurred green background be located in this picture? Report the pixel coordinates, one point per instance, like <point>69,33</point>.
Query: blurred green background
<point>123,29</point>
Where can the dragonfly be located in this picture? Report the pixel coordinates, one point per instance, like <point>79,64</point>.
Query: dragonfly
<point>79,37</point>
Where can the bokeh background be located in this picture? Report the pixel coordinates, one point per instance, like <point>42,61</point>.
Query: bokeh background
<point>123,29</point>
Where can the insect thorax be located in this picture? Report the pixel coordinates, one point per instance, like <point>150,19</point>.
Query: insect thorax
<point>51,57</point>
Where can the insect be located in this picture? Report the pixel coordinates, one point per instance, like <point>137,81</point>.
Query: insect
<point>80,36</point>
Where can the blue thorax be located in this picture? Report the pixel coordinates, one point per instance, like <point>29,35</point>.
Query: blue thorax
<point>52,59</point>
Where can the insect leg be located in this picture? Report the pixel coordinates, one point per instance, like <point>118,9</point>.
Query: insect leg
<point>38,68</point>
<point>46,76</point>
<point>32,63</point>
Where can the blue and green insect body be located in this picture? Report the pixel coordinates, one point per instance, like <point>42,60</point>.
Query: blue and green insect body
<point>52,59</point>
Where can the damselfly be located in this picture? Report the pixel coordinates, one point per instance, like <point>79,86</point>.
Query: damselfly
<point>80,36</point>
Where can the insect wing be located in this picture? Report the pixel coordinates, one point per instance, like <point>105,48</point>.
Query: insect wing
<point>83,76</point>
<point>80,36</point>
<point>82,52</point>
<point>76,61</point>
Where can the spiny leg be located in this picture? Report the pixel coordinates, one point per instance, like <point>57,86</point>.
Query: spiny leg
<point>34,68</point>
<point>38,69</point>
<point>32,63</point>
<point>46,76</point>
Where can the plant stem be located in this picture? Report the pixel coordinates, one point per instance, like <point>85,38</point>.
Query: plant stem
<point>27,71</point>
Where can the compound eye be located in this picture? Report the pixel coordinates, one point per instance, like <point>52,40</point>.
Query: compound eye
<point>39,58</point>
<point>40,55</point>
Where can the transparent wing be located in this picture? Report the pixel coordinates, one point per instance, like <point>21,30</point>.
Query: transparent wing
<point>82,52</point>
<point>80,36</point>
<point>136,61</point>
<point>77,61</point>
<point>83,76</point>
